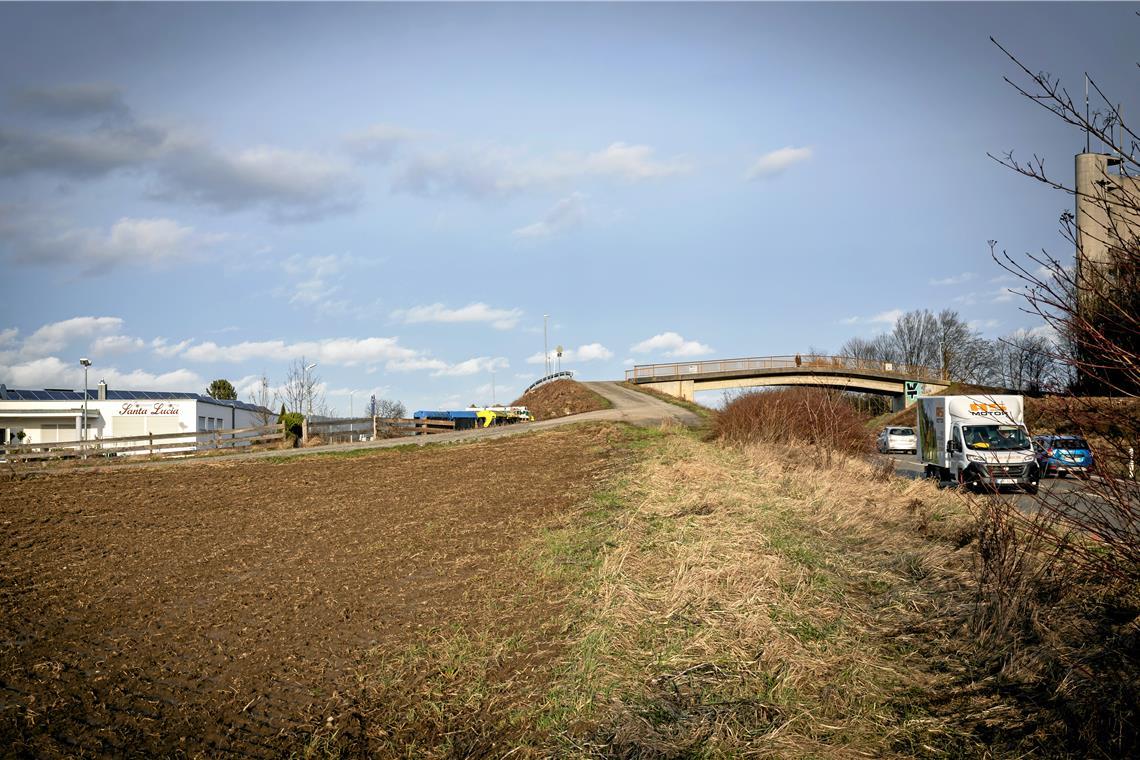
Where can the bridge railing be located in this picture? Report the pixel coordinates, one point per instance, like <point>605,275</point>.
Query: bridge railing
<point>644,372</point>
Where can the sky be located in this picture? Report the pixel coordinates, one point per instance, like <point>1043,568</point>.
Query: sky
<point>400,192</point>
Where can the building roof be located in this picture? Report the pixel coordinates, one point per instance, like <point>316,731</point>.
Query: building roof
<point>14,394</point>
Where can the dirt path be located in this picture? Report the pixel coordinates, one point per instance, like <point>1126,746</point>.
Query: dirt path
<point>237,608</point>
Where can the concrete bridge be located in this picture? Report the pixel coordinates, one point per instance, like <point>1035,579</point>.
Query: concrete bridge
<point>903,383</point>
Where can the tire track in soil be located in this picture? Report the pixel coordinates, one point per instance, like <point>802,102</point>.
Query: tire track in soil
<point>227,609</point>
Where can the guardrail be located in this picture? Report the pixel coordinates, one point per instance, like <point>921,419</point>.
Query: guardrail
<point>188,442</point>
<point>565,374</point>
<point>804,361</point>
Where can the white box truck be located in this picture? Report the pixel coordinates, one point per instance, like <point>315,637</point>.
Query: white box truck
<point>977,441</point>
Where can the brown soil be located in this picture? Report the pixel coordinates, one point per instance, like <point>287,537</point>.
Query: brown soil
<point>223,609</point>
<point>560,399</point>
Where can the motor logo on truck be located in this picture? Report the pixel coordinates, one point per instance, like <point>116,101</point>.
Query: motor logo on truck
<point>983,409</point>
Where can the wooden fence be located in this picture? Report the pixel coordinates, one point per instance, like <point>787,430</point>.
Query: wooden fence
<point>165,444</point>
<point>370,428</point>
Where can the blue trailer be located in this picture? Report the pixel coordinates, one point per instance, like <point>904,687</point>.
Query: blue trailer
<point>464,420</point>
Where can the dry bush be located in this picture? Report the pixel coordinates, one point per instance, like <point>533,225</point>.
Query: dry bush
<point>1053,638</point>
<point>816,416</point>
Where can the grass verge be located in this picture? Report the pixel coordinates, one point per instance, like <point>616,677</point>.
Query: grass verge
<point>748,605</point>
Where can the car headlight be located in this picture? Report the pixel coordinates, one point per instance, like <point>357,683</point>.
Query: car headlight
<point>975,458</point>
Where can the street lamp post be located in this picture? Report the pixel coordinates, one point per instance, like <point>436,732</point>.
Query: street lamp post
<point>86,363</point>
<point>308,388</point>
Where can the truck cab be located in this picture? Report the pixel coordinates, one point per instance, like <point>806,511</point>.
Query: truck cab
<point>977,443</point>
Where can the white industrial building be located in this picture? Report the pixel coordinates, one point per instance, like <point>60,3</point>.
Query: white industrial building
<point>56,416</point>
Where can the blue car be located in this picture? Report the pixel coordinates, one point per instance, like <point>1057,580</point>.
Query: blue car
<point>1061,454</point>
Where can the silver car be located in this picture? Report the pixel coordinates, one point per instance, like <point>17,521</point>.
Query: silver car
<point>897,439</point>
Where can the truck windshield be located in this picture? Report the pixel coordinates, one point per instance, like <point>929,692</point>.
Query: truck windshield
<point>995,437</point>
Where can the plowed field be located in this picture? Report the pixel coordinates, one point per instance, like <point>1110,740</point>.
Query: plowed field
<point>216,609</point>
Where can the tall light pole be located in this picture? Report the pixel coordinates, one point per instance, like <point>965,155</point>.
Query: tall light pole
<point>86,363</point>
<point>308,388</point>
<point>545,348</point>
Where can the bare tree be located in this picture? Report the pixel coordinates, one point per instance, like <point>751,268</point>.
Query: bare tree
<point>302,391</point>
<point>915,337</point>
<point>1024,361</point>
<point>390,409</point>
<point>264,397</point>
<point>1092,300</point>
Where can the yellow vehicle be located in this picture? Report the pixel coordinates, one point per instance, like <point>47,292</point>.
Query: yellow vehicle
<point>502,415</point>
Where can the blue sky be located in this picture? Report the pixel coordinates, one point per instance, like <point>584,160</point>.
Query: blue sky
<point>400,192</point>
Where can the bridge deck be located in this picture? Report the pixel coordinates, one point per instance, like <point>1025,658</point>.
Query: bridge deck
<point>777,365</point>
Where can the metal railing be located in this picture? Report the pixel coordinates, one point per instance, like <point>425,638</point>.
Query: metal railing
<point>566,374</point>
<point>806,362</point>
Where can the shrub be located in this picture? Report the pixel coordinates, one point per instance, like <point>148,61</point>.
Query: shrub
<point>816,416</point>
<point>292,422</point>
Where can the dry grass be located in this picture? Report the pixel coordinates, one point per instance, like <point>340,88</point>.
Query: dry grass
<point>561,398</point>
<point>756,606</point>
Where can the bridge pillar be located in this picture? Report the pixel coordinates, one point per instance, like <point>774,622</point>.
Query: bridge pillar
<point>682,389</point>
<point>898,402</point>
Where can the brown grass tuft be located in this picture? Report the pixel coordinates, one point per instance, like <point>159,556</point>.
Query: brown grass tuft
<point>819,417</point>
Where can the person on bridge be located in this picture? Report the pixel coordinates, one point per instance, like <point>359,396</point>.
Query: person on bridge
<point>799,361</point>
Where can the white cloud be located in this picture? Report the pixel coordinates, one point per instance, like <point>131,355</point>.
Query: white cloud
<point>849,321</point>
<point>379,142</point>
<point>316,278</point>
<point>632,163</point>
<point>488,171</point>
<point>565,215</point>
<point>46,372</point>
<point>36,239</point>
<point>413,364</point>
<point>110,345</point>
<point>292,185</point>
<point>671,344</point>
<point>776,162</point>
<point>473,366</point>
<point>500,319</point>
<point>1004,295</point>
<point>58,335</point>
<point>51,372</point>
<point>886,317</point>
<point>166,350</point>
<point>983,324</point>
<point>175,380</point>
<point>588,352</point>
<point>957,279</point>
<point>8,336</point>
<point>345,352</point>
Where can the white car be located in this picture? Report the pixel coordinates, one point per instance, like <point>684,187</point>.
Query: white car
<point>900,439</point>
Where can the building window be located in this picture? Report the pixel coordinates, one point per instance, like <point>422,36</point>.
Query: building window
<point>201,424</point>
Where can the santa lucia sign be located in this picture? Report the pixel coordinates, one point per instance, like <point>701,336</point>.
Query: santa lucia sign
<point>160,408</point>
